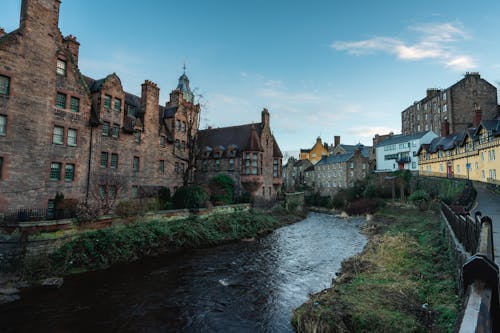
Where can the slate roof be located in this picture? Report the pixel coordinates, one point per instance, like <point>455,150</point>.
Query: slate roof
<point>400,138</point>
<point>492,126</point>
<point>365,150</point>
<point>446,142</point>
<point>224,136</point>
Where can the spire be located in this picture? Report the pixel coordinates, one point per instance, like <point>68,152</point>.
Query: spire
<point>183,86</point>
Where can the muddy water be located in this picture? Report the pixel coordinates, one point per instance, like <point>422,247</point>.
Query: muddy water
<point>240,287</point>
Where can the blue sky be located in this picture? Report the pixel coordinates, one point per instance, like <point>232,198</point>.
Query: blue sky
<point>322,68</point>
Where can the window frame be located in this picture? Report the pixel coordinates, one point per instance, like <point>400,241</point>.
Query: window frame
<point>71,143</point>
<point>55,171</point>
<point>59,136</point>
<point>59,98</point>
<point>71,167</point>
<point>114,161</point>
<point>74,104</point>
<point>136,164</point>
<point>107,102</point>
<point>106,128</point>
<point>61,70</point>
<point>3,125</point>
<point>4,85</point>
<point>103,163</point>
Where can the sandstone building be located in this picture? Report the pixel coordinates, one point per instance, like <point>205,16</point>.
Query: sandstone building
<point>458,105</point>
<point>316,153</point>
<point>248,153</point>
<point>61,131</point>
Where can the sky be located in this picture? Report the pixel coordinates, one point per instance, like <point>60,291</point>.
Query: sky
<point>321,68</point>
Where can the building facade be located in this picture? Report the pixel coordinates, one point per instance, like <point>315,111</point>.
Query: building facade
<point>456,104</point>
<point>400,152</point>
<point>249,154</point>
<point>294,174</point>
<point>316,153</point>
<point>63,132</point>
<point>339,171</point>
<point>470,154</point>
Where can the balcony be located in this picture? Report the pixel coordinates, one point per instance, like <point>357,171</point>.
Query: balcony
<point>403,159</point>
<point>252,183</point>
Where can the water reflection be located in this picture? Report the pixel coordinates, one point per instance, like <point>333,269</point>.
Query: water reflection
<point>240,287</point>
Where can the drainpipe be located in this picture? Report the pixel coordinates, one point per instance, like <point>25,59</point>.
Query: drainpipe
<point>89,163</point>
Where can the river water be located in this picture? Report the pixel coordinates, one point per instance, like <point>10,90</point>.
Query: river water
<point>239,287</point>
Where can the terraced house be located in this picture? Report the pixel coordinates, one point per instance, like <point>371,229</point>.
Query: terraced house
<point>63,132</point>
<point>469,154</point>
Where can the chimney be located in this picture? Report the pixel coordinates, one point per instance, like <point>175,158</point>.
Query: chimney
<point>336,141</point>
<point>445,128</point>
<point>265,118</point>
<point>40,16</point>
<point>73,47</point>
<point>431,92</point>
<point>150,96</point>
<point>318,140</point>
<point>478,114</point>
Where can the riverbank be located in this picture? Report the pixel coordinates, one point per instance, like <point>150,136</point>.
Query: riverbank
<point>102,248</point>
<point>403,281</point>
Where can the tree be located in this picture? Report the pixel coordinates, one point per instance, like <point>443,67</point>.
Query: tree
<point>106,190</point>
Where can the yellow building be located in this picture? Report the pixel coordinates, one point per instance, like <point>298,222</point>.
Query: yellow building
<point>470,154</point>
<point>316,153</point>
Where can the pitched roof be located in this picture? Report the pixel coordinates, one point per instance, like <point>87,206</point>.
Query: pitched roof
<point>224,136</point>
<point>253,141</point>
<point>276,149</point>
<point>400,138</point>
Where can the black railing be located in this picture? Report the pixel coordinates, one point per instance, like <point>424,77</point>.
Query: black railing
<point>33,215</point>
<point>480,273</point>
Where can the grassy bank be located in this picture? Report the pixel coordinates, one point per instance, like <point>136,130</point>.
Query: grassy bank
<point>103,248</point>
<point>403,281</point>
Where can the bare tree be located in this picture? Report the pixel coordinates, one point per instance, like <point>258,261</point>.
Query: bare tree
<point>107,189</point>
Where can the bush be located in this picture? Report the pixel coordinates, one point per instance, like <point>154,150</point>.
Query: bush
<point>191,197</point>
<point>164,197</point>
<point>128,208</point>
<point>245,197</point>
<point>363,206</point>
<point>222,189</point>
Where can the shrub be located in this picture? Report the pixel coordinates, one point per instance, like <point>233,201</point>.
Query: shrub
<point>193,196</point>
<point>87,211</point>
<point>128,208</point>
<point>363,206</point>
<point>164,197</point>
<point>222,189</point>
<point>245,197</point>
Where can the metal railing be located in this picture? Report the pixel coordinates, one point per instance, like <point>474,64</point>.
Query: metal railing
<point>480,273</point>
<point>33,215</point>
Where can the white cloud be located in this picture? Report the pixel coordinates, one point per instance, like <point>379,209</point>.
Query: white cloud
<point>435,42</point>
<point>370,131</point>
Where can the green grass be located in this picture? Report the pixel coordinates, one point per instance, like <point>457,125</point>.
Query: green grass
<point>402,282</point>
<point>103,248</point>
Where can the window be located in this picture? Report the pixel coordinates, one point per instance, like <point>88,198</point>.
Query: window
<point>118,105</point>
<point>217,165</point>
<point>116,130</point>
<point>177,144</point>
<point>107,102</point>
<point>114,161</point>
<point>231,164</point>
<point>204,165</point>
<point>1,166</point>
<point>58,135</point>
<point>51,208</point>
<point>69,172</point>
<point>61,101</point>
<point>74,104</point>
<point>441,169</point>
<point>184,126</point>
<point>176,167</point>
<point>4,85</point>
<point>104,159</point>
<point>254,163</point>
<point>112,191</point>
<point>182,168</point>
<point>178,125</point>
<point>413,165</point>
<point>105,128</point>
<point>458,168</point>
<point>275,168</point>
<point>183,146</point>
<point>482,156</point>
<point>71,139</point>
<point>445,108</point>
<point>136,163</point>
<point>102,191</point>
<point>162,167</point>
<point>247,163</point>
<point>55,171</point>
<point>133,192</point>
<point>3,125</point>
<point>162,141</point>
<point>61,67</point>
<point>130,110</point>
<point>137,137</point>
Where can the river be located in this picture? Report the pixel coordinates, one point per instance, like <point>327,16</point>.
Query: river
<point>248,286</point>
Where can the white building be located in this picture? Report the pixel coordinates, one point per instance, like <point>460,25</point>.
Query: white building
<point>399,151</point>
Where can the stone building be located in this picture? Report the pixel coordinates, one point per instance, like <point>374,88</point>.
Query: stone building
<point>61,131</point>
<point>294,173</point>
<point>457,104</point>
<point>248,154</point>
<point>339,171</point>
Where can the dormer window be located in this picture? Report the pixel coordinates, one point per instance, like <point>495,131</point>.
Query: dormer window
<point>61,101</point>
<point>4,85</point>
<point>61,67</point>
<point>178,125</point>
